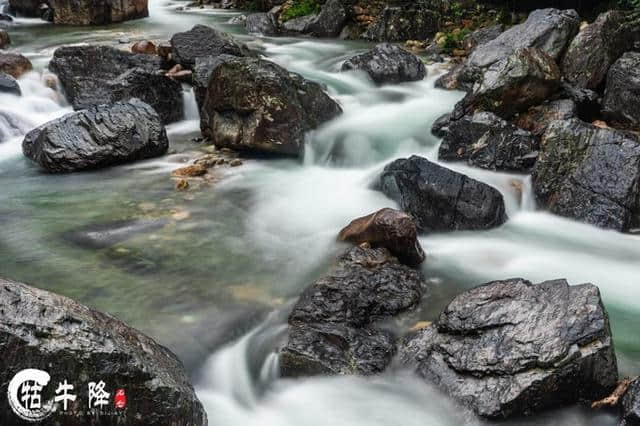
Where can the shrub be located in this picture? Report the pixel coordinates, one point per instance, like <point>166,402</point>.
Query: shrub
<point>300,8</point>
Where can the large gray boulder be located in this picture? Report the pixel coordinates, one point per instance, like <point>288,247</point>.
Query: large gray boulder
<point>96,75</point>
<point>330,21</point>
<point>331,327</point>
<point>202,41</point>
<point>510,348</point>
<point>255,105</point>
<point>589,174</point>
<point>387,63</point>
<point>69,341</point>
<point>97,137</point>
<point>440,199</point>
<point>621,102</point>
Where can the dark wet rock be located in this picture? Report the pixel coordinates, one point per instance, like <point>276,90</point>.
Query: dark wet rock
<point>299,25</point>
<point>587,101</point>
<point>97,137</point>
<point>201,74</point>
<point>388,63</point>
<point>440,127</point>
<point>82,12</point>
<point>631,405</point>
<point>485,140</point>
<point>9,84</point>
<point>72,342</point>
<point>103,235</point>
<point>589,174</point>
<point>595,48</point>
<point>261,23</point>
<point>537,118</point>
<point>258,106</point>
<point>14,64</point>
<point>96,75</point>
<point>460,77</point>
<point>549,30</point>
<point>331,328</point>
<point>621,102</point>
<point>388,228</point>
<point>510,348</point>
<point>526,78</point>
<point>481,36</point>
<point>406,22</point>
<point>5,40</point>
<point>330,21</point>
<point>202,41</point>
<point>440,199</point>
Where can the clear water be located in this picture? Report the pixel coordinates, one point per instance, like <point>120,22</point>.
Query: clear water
<point>215,280</point>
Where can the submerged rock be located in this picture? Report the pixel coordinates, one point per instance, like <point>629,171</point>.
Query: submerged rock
<point>103,235</point>
<point>331,327</point>
<point>388,228</point>
<point>388,63</point>
<point>407,22</point>
<point>96,75</point>
<point>72,342</point>
<point>485,140</point>
<point>256,105</point>
<point>589,174</point>
<point>202,41</point>
<point>621,103</point>
<point>440,199</point>
<point>9,84</point>
<point>14,64</point>
<point>97,137</point>
<point>510,348</point>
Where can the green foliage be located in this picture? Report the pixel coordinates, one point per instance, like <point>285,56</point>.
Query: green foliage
<point>457,10</point>
<point>300,8</point>
<point>453,40</point>
<point>630,4</point>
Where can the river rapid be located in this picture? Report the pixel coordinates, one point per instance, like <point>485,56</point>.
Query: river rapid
<point>212,272</point>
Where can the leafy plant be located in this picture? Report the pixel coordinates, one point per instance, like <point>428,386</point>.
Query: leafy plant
<point>630,4</point>
<point>453,40</point>
<point>300,8</point>
<point>457,11</point>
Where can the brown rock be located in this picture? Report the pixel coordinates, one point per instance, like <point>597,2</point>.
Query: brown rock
<point>164,50</point>
<point>387,228</point>
<point>5,40</point>
<point>190,171</point>
<point>236,162</point>
<point>145,46</point>
<point>14,64</point>
<point>182,185</point>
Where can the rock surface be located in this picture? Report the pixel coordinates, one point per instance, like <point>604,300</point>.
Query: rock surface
<point>5,40</point>
<point>481,36</point>
<point>9,84</point>
<point>256,105</point>
<point>621,102</point>
<point>330,21</point>
<point>407,22</point>
<point>485,140</point>
<point>98,137</point>
<point>95,75</point>
<point>83,12</point>
<point>511,348</point>
<point>392,229</point>
<point>631,405</point>
<point>261,23</point>
<point>202,41</point>
<point>538,118</point>
<point>589,174</point>
<point>14,64</point>
<point>331,328</point>
<point>388,63</point>
<point>440,199</point>
<point>72,342</point>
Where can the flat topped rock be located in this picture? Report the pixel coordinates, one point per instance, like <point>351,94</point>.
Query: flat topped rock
<point>202,41</point>
<point>388,63</point>
<point>510,347</point>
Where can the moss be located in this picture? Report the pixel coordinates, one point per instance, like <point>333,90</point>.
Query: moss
<point>300,8</point>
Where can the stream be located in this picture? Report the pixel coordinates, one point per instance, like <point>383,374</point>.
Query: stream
<point>212,272</point>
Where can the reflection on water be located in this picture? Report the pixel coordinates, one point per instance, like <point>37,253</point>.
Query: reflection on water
<point>231,253</point>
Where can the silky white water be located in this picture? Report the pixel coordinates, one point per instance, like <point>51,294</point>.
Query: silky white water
<point>266,229</point>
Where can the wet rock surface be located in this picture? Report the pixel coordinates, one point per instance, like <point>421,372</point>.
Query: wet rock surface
<point>621,102</point>
<point>440,199</point>
<point>95,75</point>
<point>537,119</point>
<point>407,22</point>
<point>255,105</point>
<point>331,327</point>
<point>83,12</point>
<point>72,342</point>
<point>202,41</point>
<point>511,348</point>
<point>485,140</point>
<point>631,405</point>
<point>261,23</point>
<point>14,64</point>
<point>5,40</point>
<point>482,36</point>
<point>9,84</point>
<point>388,228</point>
<point>589,174</point>
<point>388,63</point>
<point>98,137</point>
<point>330,21</point>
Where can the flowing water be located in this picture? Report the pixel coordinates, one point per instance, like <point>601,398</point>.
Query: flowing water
<point>212,272</point>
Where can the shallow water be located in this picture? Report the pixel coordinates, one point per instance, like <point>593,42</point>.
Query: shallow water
<point>212,272</point>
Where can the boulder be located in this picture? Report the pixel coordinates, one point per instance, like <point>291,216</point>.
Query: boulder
<point>330,21</point>
<point>481,36</point>
<point>406,22</point>
<point>256,105</point>
<point>387,63</point>
<point>392,229</point>
<point>82,12</point>
<point>14,64</point>
<point>9,84</point>
<point>261,23</point>
<point>621,102</point>
<point>298,25</point>
<point>97,137</point>
<point>144,47</point>
<point>587,101</point>
<point>589,174</point>
<point>5,40</point>
<point>331,328</point>
<point>95,75</point>
<point>537,118</point>
<point>200,79</point>
<point>510,348</point>
<point>202,41</point>
<point>631,405</point>
<point>595,48</point>
<point>526,78</point>
<point>487,141</point>
<point>440,199</point>
<point>72,342</point>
